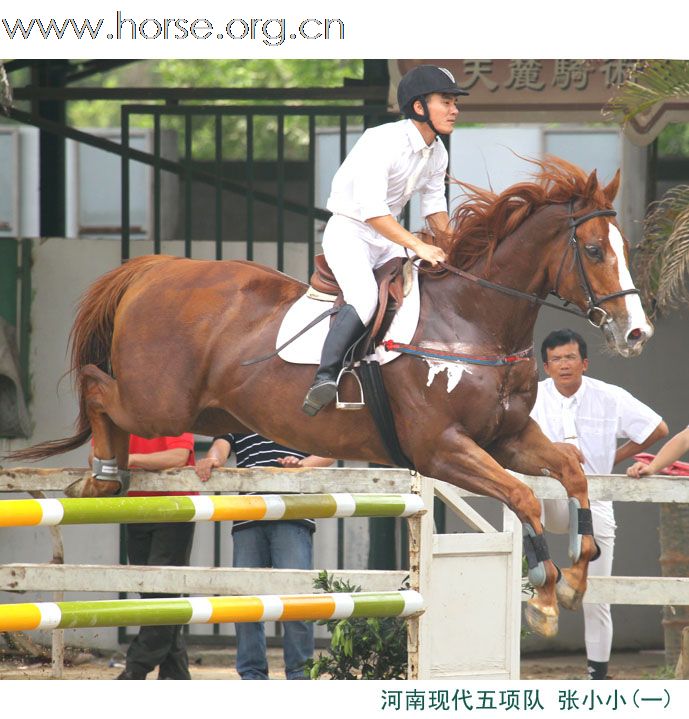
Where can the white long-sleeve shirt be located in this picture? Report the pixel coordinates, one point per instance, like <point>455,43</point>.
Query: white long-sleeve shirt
<point>373,179</point>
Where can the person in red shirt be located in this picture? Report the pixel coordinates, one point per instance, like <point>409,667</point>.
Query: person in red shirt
<point>159,544</point>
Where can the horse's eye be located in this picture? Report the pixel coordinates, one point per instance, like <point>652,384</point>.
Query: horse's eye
<point>594,252</point>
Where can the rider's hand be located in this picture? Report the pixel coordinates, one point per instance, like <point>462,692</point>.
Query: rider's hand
<point>205,466</point>
<point>638,469</point>
<point>430,253</point>
<point>289,461</point>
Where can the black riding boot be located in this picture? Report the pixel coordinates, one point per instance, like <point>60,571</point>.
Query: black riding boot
<point>345,330</point>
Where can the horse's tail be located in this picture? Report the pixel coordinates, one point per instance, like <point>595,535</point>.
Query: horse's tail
<point>90,340</point>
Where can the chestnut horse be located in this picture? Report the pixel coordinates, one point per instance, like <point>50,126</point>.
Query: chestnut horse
<point>158,346</point>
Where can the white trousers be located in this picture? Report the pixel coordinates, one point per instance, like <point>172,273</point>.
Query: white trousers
<point>353,250</point>
<point>597,617</point>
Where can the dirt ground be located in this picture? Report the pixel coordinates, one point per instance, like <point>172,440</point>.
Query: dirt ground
<point>219,664</point>
<point>623,665</point>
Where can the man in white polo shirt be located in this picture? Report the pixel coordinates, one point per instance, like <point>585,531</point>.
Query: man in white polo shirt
<point>369,191</point>
<point>590,415</point>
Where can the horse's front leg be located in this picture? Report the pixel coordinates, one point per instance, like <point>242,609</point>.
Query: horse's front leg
<point>457,459</point>
<point>531,452</point>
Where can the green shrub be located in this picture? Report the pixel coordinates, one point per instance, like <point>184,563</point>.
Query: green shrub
<point>360,648</point>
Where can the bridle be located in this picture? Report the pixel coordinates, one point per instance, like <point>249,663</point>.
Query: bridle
<point>594,313</point>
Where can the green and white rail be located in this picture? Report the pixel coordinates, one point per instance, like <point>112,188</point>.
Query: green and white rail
<point>200,508</point>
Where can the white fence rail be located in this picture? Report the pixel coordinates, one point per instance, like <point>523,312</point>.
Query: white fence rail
<point>459,635</point>
<point>438,646</point>
<point>658,591</point>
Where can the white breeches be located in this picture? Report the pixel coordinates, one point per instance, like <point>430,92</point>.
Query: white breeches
<point>597,617</point>
<point>353,250</point>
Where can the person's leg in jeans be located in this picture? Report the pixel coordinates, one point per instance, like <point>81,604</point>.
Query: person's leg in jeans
<point>292,548</point>
<point>166,544</point>
<point>251,549</point>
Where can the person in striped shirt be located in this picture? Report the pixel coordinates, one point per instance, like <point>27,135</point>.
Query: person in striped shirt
<point>283,544</point>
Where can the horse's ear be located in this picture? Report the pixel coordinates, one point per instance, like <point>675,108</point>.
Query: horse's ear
<point>610,191</point>
<point>591,184</point>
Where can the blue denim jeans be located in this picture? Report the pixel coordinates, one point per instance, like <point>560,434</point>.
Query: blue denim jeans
<point>280,545</point>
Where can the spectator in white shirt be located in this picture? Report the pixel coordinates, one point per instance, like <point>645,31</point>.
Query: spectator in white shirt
<point>590,415</point>
<point>371,188</point>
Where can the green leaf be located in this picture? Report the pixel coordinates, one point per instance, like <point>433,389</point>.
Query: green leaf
<point>649,83</point>
<point>662,257</point>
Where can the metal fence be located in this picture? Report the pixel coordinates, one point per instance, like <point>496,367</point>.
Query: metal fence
<point>211,172</point>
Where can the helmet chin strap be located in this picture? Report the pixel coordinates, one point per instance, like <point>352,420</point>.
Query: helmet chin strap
<point>426,117</point>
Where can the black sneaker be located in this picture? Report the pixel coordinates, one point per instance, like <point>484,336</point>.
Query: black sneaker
<point>130,674</point>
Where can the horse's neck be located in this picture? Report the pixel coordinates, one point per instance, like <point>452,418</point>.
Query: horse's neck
<point>521,259</point>
<point>519,263</point>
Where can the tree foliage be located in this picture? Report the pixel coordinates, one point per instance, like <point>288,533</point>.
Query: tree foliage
<point>256,73</point>
<point>662,258</point>
<point>650,82</point>
<point>5,90</point>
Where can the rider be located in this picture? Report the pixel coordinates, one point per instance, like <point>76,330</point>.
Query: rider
<point>369,191</point>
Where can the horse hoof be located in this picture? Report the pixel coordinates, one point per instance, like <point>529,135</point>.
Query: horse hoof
<point>543,620</point>
<point>87,487</point>
<point>567,596</point>
<point>75,489</point>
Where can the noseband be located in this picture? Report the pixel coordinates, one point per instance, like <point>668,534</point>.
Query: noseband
<point>595,314</point>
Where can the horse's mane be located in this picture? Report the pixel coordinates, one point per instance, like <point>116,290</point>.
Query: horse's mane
<point>482,221</point>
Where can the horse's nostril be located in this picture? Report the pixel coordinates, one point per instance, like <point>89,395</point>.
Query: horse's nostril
<point>635,335</point>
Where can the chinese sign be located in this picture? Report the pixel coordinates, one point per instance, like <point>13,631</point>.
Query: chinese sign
<point>543,91</point>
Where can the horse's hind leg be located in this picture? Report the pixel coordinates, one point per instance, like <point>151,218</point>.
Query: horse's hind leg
<point>457,459</point>
<point>532,453</point>
<point>110,443</point>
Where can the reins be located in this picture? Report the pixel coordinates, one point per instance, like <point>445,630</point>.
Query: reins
<point>593,302</point>
<point>535,299</point>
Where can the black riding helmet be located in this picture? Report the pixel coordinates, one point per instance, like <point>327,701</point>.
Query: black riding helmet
<point>420,81</point>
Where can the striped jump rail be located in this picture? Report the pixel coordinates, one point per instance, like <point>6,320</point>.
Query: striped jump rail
<point>199,508</point>
<point>207,610</point>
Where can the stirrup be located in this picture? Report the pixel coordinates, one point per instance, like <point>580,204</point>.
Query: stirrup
<point>349,405</point>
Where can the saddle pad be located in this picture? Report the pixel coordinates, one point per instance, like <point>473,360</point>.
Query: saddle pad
<point>307,348</point>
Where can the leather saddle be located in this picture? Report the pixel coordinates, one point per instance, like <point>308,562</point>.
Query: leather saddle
<point>392,287</point>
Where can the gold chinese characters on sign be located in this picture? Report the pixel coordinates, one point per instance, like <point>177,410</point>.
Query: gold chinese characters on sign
<point>531,81</point>
<point>517,91</point>
<point>537,75</point>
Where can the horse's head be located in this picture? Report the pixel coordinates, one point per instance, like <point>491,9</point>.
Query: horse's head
<point>592,271</point>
